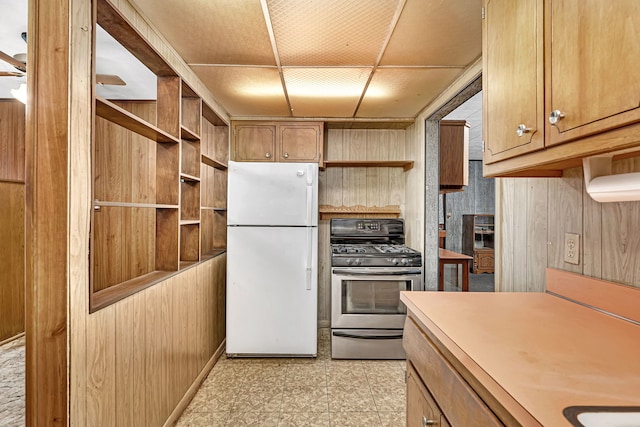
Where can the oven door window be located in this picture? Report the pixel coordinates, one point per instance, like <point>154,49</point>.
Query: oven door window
<point>373,296</point>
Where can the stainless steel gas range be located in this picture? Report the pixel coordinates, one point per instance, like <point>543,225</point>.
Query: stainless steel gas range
<point>370,265</point>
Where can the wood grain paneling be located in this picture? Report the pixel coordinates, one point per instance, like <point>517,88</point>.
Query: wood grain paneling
<point>504,227</point>
<point>610,237</point>
<point>101,356</point>
<point>12,206</point>
<point>12,129</point>
<point>190,200</point>
<point>145,351</point>
<point>124,244</point>
<point>11,259</point>
<point>126,161</point>
<point>536,228</point>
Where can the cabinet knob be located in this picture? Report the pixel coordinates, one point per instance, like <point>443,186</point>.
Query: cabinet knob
<point>426,422</point>
<point>286,155</point>
<point>268,155</point>
<point>555,116</point>
<point>522,129</point>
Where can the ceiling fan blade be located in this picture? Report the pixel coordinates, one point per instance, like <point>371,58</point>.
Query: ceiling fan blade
<point>109,79</point>
<point>10,74</point>
<point>12,61</point>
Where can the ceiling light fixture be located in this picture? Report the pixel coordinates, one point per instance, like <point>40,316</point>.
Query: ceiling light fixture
<point>21,93</point>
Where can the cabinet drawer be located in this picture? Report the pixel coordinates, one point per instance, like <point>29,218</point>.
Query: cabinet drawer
<point>421,408</point>
<point>457,400</point>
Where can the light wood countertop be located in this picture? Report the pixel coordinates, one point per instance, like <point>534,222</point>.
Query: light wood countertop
<point>538,350</point>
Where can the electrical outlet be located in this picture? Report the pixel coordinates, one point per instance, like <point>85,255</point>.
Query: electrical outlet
<point>572,248</point>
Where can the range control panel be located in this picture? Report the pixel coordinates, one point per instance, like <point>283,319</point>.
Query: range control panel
<point>368,226</point>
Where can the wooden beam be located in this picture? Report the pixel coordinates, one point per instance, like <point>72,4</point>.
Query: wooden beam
<point>46,214</point>
<point>115,24</point>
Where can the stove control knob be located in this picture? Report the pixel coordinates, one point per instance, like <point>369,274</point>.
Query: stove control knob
<point>395,261</point>
<point>348,262</point>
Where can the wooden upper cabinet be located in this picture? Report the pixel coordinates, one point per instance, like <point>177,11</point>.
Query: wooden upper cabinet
<point>254,142</point>
<point>300,142</point>
<point>578,57</point>
<point>277,141</point>
<point>513,108</point>
<point>454,154</point>
<point>593,54</point>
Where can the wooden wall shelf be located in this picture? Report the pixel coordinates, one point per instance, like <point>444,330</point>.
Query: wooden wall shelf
<point>110,111</point>
<point>122,290</point>
<point>190,178</point>
<point>213,163</point>
<point>188,134</point>
<point>359,211</point>
<point>404,164</point>
<point>97,203</point>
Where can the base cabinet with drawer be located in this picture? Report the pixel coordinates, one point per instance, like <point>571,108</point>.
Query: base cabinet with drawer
<point>422,410</point>
<point>436,393</point>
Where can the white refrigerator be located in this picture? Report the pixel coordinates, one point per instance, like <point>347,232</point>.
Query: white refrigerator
<point>272,259</point>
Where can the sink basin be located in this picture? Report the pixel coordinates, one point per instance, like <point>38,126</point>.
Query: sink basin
<point>603,416</point>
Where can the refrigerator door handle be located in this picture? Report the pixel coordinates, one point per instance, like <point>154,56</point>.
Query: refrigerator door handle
<point>309,200</point>
<point>309,262</point>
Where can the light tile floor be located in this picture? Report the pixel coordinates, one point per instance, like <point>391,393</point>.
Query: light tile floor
<point>300,392</point>
<point>12,359</point>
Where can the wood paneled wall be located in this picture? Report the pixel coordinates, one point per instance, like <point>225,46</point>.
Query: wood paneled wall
<point>534,213</point>
<point>145,351</point>
<point>12,204</point>
<point>12,130</point>
<point>12,308</point>
<point>356,186</point>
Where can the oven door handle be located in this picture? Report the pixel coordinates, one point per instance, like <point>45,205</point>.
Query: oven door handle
<point>380,273</point>
<point>367,337</point>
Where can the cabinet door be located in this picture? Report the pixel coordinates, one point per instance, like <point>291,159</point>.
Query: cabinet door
<point>454,154</point>
<point>483,261</point>
<point>592,61</point>
<point>299,143</point>
<point>512,78</point>
<point>421,408</point>
<point>254,143</point>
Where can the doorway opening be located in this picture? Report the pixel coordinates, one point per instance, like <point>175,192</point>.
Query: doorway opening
<point>439,204</point>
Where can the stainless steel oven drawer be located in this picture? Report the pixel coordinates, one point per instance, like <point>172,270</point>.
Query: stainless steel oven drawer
<point>367,344</point>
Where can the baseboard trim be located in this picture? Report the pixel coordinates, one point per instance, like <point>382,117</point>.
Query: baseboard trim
<point>15,337</point>
<point>195,386</point>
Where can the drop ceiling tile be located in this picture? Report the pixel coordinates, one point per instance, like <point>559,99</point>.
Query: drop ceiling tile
<point>246,91</point>
<point>213,31</point>
<point>436,32</point>
<point>403,92</point>
<point>331,32</point>
<point>325,92</point>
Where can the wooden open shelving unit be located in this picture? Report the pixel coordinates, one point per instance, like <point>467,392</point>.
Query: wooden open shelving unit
<point>159,179</point>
